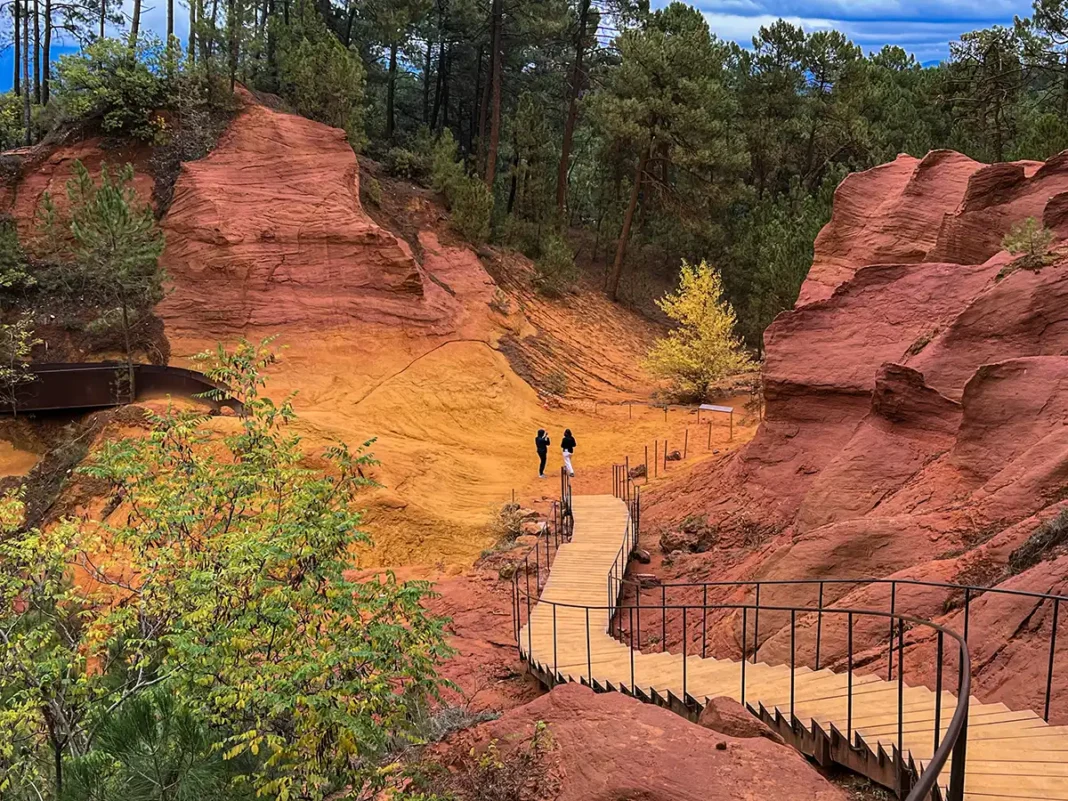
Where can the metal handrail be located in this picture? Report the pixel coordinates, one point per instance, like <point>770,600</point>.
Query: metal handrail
<point>970,592</point>
<point>954,742</point>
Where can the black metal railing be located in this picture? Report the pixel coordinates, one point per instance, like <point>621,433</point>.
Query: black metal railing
<point>539,558</point>
<point>666,594</point>
<point>624,623</point>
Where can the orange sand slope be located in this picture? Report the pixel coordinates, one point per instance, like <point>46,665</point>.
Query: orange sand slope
<point>396,340</point>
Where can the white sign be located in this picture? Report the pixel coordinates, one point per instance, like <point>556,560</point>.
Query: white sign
<point>708,407</point>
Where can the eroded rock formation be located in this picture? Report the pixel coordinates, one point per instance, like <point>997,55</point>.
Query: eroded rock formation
<point>917,414</point>
<point>610,746</point>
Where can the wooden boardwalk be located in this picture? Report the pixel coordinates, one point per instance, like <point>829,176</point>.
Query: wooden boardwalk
<point>1011,754</point>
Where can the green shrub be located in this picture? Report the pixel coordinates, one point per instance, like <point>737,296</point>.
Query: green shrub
<point>1029,240</point>
<point>407,164</point>
<point>554,269</point>
<point>555,383</point>
<point>12,126</point>
<point>13,274</point>
<point>523,235</point>
<point>446,169</point>
<point>1045,538</point>
<point>106,84</point>
<point>471,206</point>
<point>374,190</point>
<point>318,76</point>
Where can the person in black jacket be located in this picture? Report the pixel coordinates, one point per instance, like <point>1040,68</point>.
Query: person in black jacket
<point>542,443</point>
<point>567,445</point>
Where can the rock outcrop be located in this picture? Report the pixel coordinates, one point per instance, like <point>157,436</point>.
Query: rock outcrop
<point>610,746</point>
<point>268,232</point>
<point>917,412</point>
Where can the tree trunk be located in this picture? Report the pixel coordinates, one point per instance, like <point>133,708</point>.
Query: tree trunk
<point>348,24</point>
<point>36,52</point>
<point>234,25</point>
<point>483,116</point>
<point>514,183</point>
<point>27,118</point>
<point>47,53</point>
<point>129,353</point>
<point>170,24</point>
<point>17,82</point>
<point>621,249</point>
<point>572,112</point>
<point>391,91</point>
<point>472,134</point>
<point>192,31</point>
<point>495,113</point>
<point>439,84</point>
<point>103,17</point>
<point>135,24</point>
<point>214,26</point>
<point>445,91</point>
<point>428,63</point>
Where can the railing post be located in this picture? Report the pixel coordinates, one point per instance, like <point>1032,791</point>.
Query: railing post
<point>663,618</point>
<point>756,625</point>
<point>515,610</point>
<point>684,654</point>
<point>959,755</point>
<point>967,610</point>
<point>938,692</point>
<point>704,627</point>
<point>849,678</point>
<point>890,648</point>
<point>554,644</point>
<point>631,650</point>
<point>819,626</point>
<point>745,625</point>
<point>1052,650</point>
<point>901,697</point>
<point>530,622</point>
<point>638,613</point>
<point>793,661</point>
<point>589,655</point>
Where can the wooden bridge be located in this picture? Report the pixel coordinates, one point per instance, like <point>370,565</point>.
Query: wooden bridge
<point>859,720</point>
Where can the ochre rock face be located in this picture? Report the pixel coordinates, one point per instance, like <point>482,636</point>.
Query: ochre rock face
<point>267,231</point>
<point>916,420</point>
<point>608,746</point>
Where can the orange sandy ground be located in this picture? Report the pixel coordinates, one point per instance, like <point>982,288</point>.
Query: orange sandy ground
<point>454,428</point>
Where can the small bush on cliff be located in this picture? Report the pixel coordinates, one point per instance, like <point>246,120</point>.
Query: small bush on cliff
<point>703,348</point>
<point>319,76</point>
<point>555,272</point>
<point>404,163</point>
<point>492,775</point>
<point>446,168</point>
<point>103,84</point>
<point>1046,537</point>
<point>1029,240</point>
<point>471,205</point>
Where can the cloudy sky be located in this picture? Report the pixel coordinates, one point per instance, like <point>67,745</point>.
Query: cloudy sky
<point>923,27</point>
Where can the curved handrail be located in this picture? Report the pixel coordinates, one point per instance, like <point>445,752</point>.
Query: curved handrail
<point>953,743</point>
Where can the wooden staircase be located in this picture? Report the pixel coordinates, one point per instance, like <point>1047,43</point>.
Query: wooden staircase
<point>1011,754</point>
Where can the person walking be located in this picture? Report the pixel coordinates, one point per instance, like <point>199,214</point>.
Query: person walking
<point>567,445</point>
<point>542,443</point>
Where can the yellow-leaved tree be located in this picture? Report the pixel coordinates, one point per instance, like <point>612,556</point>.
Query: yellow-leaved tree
<point>703,349</point>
